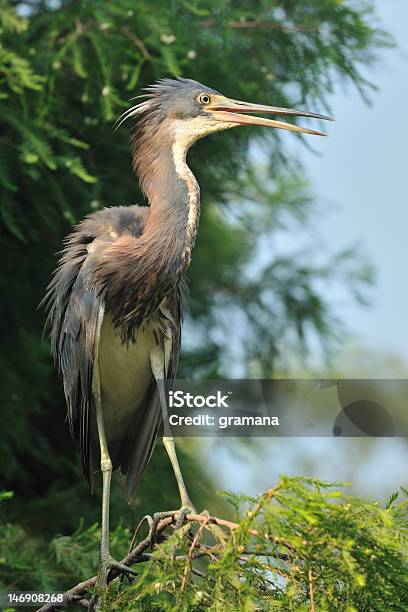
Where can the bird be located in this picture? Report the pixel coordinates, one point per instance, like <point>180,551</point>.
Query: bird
<point>115,302</point>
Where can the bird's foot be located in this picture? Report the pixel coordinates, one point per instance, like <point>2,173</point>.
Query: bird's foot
<point>180,515</point>
<point>105,566</point>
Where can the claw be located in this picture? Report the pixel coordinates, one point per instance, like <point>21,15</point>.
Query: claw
<point>181,513</point>
<point>181,516</point>
<point>105,566</point>
<point>120,567</point>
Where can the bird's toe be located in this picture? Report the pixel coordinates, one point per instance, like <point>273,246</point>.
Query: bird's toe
<point>100,591</point>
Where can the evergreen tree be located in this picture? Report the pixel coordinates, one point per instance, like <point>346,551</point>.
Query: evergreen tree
<point>67,70</point>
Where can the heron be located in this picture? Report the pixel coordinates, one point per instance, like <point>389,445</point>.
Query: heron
<point>115,301</point>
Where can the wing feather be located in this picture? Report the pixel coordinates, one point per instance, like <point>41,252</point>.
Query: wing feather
<point>74,303</point>
<point>73,308</point>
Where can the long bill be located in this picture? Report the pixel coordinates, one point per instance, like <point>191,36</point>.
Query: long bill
<point>230,111</point>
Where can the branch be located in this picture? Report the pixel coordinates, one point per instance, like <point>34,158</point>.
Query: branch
<point>75,595</point>
<point>187,567</point>
<point>258,25</point>
<point>311,589</point>
<point>137,41</point>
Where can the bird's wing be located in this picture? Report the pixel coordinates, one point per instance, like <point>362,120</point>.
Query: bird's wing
<point>74,305</point>
<point>73,317</point>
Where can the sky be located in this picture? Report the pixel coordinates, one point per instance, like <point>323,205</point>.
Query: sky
<point>360,177</point>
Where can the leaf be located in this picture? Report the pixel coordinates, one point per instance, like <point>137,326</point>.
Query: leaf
<point>18,73</point>
<point>170,60</point>
<point>36,148</point>
<point>78,61</point>
<point>5,178</point>
<point>76,167</point>
<point>4,495</point>
<point>393,497</point>
<point>195,10</point>
<point>64,136</point>
<point>9,218</point>
<point>105,68</point>
<point>10,20</point>
<point>135,75</point>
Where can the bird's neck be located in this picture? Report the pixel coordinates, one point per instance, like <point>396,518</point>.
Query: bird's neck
<point>174,199</point>
<point>149,269</point>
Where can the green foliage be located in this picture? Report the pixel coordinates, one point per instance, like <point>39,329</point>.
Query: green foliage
<point>66,71</point>
<point>76,66</point>
<point>310,541</point>
<point>302,545</point>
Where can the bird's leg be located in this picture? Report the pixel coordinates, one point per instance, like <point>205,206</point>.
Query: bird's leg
<point>187,506</point>
<point>106,562</point>
<point>157,359</point>
<point>169,445</point>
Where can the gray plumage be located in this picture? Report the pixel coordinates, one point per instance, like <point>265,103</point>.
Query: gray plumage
<point>74,301</point>
<point>115,301</point>
<point>129,263</point>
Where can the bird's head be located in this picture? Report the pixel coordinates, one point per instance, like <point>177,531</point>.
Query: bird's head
<point>172,114</point>
<point>188,110</point>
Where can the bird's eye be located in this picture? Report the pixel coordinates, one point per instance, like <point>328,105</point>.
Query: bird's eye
<point>204,98</point>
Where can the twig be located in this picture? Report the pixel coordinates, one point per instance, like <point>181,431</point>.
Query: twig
<point>137,41</point>
<point>311,589</point>
<point>138,555</point>
<point>149,521</point>
<point>258,25</point>
<point>190,554</point>
<point>266,553</point>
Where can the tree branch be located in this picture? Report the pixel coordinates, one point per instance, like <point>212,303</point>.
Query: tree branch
<point>137,554</point>
<point>311,589</point>
<point>137,41</point>
<point>258,25</point>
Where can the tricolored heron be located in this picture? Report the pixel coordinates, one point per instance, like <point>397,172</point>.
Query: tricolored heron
<point>115,301</point>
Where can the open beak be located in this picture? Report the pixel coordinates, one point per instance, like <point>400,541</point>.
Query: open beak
<point>230,111</point>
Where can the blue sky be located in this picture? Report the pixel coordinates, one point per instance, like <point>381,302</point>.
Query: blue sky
<point>361,175</point>
<point>361,178</point>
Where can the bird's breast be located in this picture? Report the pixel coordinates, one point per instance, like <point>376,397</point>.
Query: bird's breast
<point>125,372</point>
